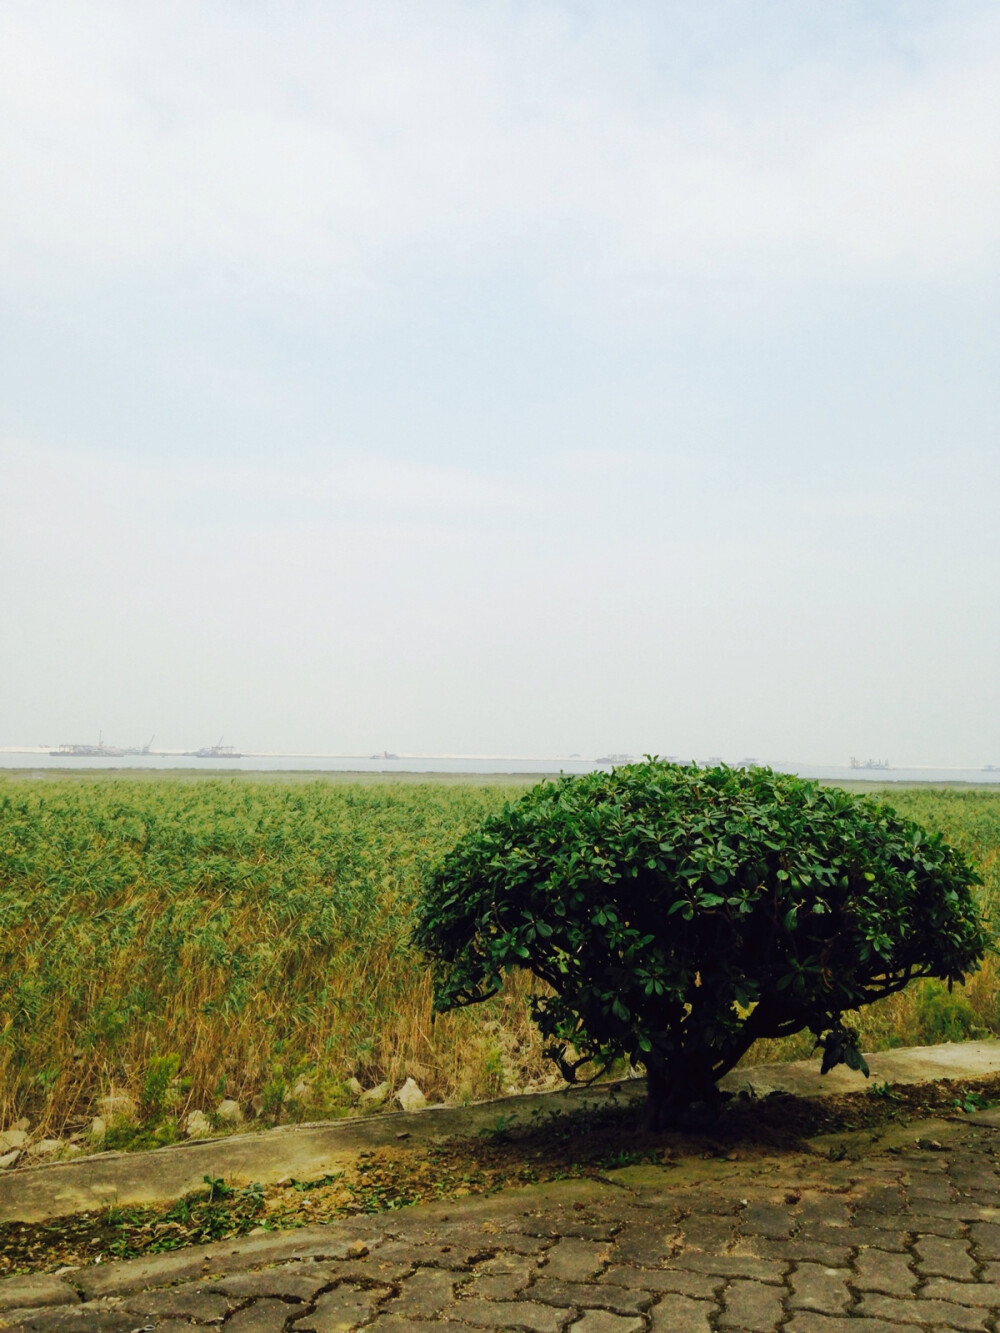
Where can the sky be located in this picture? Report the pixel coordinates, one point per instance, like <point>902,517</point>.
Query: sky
<point>513,377</point>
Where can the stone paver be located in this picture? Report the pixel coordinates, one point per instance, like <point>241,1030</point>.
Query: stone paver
<point>681,1314</point>
<point>264,1316</point>
<point>985,1237</point>
<point>343,1308</point>
<point>964,1293</point>
<point>531,1315</point>
<point>817,1287</point>
<point>191,1301</point>
<point>74,1319</point>
<point>599,1321</point>
<point>923,1312</point>
<point>900,1240</point>
<point>818,1323</point>
<point>879,1270</point>
<point>751,1307</point>
<point>590,1295</point>
<point>424,1295</point>
<point>942,1257</point>
<point>701,1286</point>
<point>575,1260</point>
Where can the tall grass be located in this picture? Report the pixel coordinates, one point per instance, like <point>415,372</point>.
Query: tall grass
<point>237,936</point>
<point>257,932</point>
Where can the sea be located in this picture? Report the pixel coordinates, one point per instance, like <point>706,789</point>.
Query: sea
<point>473,765</point>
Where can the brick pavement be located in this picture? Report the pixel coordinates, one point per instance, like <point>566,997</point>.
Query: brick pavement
<point>901,1239</point>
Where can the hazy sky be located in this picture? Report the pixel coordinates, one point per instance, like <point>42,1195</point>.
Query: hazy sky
<point>515,377</point>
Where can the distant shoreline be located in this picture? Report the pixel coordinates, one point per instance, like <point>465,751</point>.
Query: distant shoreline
<point>54,772</point>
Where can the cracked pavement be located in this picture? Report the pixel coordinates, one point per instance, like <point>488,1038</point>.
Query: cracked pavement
<point>907,1236</point>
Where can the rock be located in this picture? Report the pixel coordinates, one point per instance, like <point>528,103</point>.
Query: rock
<point>197,1125</point>
<point>98,1129</point>
<point>302,1090</point>
<point>116,1106</point>
<point>9,1158</point>
<point>410,1097</point>
<point>228,1112</point>
<point>24,1123</point>
<point>13,1138</point>
<point>44,1147</point>
<point>354,1087</point>
<point>375,1096</point>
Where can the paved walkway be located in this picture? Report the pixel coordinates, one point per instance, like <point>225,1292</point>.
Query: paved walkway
<point>906,1236</point>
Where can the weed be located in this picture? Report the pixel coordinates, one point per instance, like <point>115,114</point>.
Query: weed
<point>160,1073</point>
<point>885,1091</point>
<point>499,1127</point>
<point>217,1188</point>
<point>970,1101</point>
<point>629,1157</point>
<point>253,932</point>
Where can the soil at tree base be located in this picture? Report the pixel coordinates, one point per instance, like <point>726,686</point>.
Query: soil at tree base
<point>586,1144</point>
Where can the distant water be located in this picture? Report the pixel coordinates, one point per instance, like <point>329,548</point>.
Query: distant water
<point>452,764</point>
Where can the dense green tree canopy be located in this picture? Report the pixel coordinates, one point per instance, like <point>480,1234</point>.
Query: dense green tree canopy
<point>677,914</point>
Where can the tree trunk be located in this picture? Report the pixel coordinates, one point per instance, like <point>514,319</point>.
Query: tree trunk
<point>681,1094</point>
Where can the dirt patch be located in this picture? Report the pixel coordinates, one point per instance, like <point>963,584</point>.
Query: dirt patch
<point>588,1143</point>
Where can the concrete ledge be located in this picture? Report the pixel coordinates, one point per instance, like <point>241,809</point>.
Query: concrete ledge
<point>59,1189</point>
<point>122,1278</point>
<point>35,1194</point>
<point>35,1291</point>
<point>911,1064</point>
<point>343,1240</point>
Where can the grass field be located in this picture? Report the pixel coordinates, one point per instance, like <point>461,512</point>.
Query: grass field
<point>184,940</point>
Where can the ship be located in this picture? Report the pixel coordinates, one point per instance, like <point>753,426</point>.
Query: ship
<point>98,751</point>
<point>217,751</point>
<point>882,765</point>
<point>141,749</point>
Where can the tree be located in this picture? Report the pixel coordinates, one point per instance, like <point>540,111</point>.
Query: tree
<point>677,914</point>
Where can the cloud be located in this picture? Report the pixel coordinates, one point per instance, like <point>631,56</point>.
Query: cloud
<point>320,148</point>
<point>603,363</point>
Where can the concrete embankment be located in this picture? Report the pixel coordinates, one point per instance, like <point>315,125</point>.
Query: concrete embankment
<point>59,1189</point>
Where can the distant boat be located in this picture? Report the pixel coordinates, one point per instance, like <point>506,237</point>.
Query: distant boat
<point>882,765</point>
<point>140,749</point>
<point>98,751</point>
<point>385,755</point>
<point>217,751</point>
